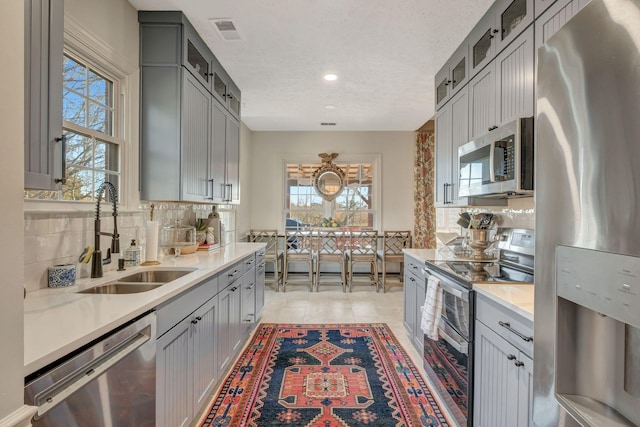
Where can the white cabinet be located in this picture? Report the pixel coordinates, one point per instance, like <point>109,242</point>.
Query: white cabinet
<point>503,367</point>
<point>43,143</point>
<point>186,356</point>
<point>452,130</point>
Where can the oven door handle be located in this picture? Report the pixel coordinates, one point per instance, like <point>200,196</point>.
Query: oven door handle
<point>445,285</point>
<point>461,347</point>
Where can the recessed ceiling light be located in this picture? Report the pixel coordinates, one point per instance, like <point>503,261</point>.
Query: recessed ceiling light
<point>330,107</point>
<point>330,77</point>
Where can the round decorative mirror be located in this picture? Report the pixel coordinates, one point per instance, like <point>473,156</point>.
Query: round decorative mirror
<point>328,179</point>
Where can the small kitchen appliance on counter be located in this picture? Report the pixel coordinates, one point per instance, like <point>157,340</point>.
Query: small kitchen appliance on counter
<point>449,360</point>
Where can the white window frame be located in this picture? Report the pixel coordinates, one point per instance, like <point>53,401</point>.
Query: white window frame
<point>86,47</point>
<point>353,158</point>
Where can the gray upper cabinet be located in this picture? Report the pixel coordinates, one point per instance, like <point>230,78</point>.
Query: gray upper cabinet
<point>482,102</point>
<point>574,5</point>
<point>512,17</point>
<point>515,79</point>
<point>501,25</point>
<point>43,144</point>
<point>555,17</point>
<point>452,76</point>
<point>481,42</point>
<point>452,130</point>
<point>196,117</point>
<point>225,156</point>
<point>189,133</point>
<point>225,90</point>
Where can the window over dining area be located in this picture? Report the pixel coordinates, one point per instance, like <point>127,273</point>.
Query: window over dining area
<point>355,207</point>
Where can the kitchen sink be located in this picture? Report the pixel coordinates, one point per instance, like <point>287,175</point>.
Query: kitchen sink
<point>154,276</point>
<point>141,281</point>
<point>121,288</point>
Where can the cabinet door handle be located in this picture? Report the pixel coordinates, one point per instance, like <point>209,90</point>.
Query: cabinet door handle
<point>210,197</point>
<point>249,262</point>
<point>511,357</point>
<point>519,363</point>
<point>492,128</point>
<point>63,179</point>
<point>412,279</point>
<point>507,326</point>
<point>447,83</point>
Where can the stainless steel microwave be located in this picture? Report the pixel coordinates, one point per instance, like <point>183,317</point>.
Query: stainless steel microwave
<point>498,164</point>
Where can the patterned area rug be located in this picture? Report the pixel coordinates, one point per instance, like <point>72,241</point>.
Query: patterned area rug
<point>332,375</point>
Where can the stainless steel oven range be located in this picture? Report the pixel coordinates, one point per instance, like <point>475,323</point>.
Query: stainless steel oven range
<point>449,361</point>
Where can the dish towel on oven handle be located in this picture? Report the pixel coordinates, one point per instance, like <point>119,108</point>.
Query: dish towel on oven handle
<point>432,309</point>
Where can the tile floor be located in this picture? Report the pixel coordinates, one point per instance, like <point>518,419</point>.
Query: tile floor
<point>331,305</point>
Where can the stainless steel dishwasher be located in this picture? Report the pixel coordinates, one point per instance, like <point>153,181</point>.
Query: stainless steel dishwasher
<point>111,382</point>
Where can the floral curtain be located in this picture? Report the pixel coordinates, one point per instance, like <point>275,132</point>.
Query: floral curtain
<point>424,211</point>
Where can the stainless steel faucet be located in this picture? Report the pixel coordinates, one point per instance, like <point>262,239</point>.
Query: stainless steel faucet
<point>97,261</point>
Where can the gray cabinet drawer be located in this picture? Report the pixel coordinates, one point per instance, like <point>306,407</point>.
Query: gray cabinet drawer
<point>173,311</point>
<point>511,326</point>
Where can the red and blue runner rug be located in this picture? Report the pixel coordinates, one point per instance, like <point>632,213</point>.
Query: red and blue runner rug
<point>329,375</point>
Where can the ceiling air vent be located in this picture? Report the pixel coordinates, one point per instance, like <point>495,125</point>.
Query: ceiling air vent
<point>327,124</point>
<point>226,28</point>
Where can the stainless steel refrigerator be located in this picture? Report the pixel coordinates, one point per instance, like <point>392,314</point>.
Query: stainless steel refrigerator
<point>587,272</point>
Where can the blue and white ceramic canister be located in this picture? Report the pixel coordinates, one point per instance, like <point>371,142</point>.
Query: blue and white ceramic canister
<point>62,275</point>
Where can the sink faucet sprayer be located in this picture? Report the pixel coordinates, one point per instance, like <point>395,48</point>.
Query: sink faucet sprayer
<point>97,261</point>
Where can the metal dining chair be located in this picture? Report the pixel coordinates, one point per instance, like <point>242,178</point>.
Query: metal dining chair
<point>271,254</point>
<point>298,249</point>
<point>363,248</point>
<point>331,249</point>
<point>393,242</point>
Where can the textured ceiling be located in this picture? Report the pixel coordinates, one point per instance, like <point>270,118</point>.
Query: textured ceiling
<point>385,54</point>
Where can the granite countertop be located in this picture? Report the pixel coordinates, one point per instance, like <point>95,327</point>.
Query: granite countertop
<point>58,321</point>
<point>516,297</point>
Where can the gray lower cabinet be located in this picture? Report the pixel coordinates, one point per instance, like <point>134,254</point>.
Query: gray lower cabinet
<point>186,355</point>
<point>260,284</point>
<point>43,144</point>
<point>503,367</point>
<point>198,341</point>
<point>414,290</point>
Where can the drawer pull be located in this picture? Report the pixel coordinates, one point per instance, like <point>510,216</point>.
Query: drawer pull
<point>508,327</point>
<point>519,363</point>
<point>511,357</point>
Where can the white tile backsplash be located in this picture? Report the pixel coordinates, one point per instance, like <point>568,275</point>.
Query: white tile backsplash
<point>59,238</point>
<point>519,213</point>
